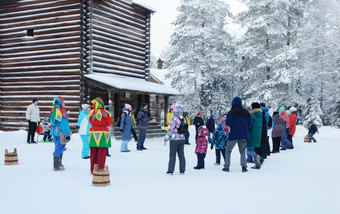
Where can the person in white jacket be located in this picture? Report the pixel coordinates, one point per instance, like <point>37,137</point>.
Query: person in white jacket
<point>33,118</point>
<point>83,126</point>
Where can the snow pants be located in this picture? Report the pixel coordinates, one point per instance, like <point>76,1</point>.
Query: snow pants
<point>86,148</point>
<point>200,160</point>
<point>124,146</point>
<point>218,155</point>
<point>176,147</point>
<point>58,148</point>
<point>141,138</point>
<point>98,156</point>
<point>276,144</point>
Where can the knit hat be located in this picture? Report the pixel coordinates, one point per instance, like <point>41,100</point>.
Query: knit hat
<point>85,106</point>
<point>127,106</point>
<point>282,109</point>
<point>199,114</point>
<point>262,104</point>
<point>144,104</point>
<point>292,109</point>
<point>34,99</point>
<point>255,105</point>
<point>212,116</point>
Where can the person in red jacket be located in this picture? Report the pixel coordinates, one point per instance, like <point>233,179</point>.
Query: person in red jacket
<point>292,124</point>
<point>100,137</point>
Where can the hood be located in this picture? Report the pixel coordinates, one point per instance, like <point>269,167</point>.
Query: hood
<point>237,102</point>
<point>178,109</point>
<point>257,112</point>
<point>219,126</point>
<point>265,109</point>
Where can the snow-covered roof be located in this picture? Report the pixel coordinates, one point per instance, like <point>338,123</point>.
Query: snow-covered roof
<point>143,5</point>
<point>160,74</point>
<point>132,84</point>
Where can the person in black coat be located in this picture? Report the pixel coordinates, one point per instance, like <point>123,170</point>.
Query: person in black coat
<point>211,126</point>
<point>198,122</point>
<point>312,129</point>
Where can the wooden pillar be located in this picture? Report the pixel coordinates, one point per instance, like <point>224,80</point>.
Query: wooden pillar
<point>158,115</point>
<point>111,110</point>
<point>166,104</point>
<point>117,105</point>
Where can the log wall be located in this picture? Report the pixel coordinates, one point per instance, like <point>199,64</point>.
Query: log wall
<point>119,41</point>
<point>41,66</point>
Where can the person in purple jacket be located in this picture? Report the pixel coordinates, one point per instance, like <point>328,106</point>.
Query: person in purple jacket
<point>239,121</point>
<point>277,132</point>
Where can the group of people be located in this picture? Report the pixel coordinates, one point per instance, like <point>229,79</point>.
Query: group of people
<point>248,129</point>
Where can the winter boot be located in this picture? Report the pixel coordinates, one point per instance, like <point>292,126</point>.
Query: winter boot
<point>60,164</point>
<point>225,169</point>
<point>56,164</point>
<point>257,162</point>
<point>250,159</point>
<point>244,169</point>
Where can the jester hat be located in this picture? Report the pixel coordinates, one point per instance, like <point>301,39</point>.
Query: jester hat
<point>97,103</point>
<point>57,112</point>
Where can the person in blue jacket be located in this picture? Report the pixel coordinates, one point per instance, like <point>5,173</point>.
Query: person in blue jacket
<point>60,129</point>
<point>312,129</point>
<point>83,126</point>
<point>126,126</point>
<point>239,121</point>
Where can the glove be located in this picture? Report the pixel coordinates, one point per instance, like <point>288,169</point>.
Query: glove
<point>38,122</point>
<point>121,130</point>
<point>164,143</point>
<point>212,146</point>
<point>77,127</point>
<point>29,121</point>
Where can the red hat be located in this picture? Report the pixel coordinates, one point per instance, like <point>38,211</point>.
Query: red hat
<point>199,114</point>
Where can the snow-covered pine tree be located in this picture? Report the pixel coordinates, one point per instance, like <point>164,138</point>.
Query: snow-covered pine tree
<point>315,113</point>
<point>199,61</point>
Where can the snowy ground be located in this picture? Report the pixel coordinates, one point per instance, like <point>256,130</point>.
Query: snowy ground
<point>303,180</point>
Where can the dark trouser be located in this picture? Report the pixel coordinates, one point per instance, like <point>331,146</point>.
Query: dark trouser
<point>47,136</point>
<point>187,135</point>
<point>98,156</point>
<point>290,138</point>
<point>218,155</point>
<point>276,144</point>
<point>32,126</point>
<point>134,134</point>
<point>268,146</point>
<point>176,146</point>
<point>141,138</point>
<point>310,135</point>
<point>200,160</point>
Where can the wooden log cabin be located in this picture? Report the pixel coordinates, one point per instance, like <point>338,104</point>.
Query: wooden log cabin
<point>78,49</point>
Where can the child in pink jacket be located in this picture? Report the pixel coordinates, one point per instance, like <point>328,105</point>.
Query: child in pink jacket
<point>201,147</point>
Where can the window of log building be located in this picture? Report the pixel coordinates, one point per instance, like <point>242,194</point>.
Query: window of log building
<point>30,32</point>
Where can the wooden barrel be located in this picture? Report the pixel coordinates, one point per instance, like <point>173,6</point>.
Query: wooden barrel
<point>306,139</point>
<point>11,158</point>
<point>101,177</point>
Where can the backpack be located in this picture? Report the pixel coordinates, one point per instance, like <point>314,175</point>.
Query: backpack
<point>183,127</point>
<point>119,120</point>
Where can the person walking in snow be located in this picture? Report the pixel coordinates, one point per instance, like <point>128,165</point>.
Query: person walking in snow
<point>211,126</point>
<point>83,126</point>
<point>239,121</point>
<point>285,143</point>
<point>142,121</point>
<point>312,129</point>
<point>126,126</point>
<point>60,129</point>
<point>100,137</point>
<point>278,131</point>
<point>33,118</point>
<point>219,140</point>
<point>198,122</point>
<point>201,147</point>
<point>292,124</point>
<point>177,139</point>
<point>255,134</point>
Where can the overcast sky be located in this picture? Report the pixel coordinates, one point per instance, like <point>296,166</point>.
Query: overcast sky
<point>161,27</point>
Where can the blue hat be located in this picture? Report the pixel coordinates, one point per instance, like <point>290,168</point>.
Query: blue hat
<point>212,116</point>
<point>282,109</point>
